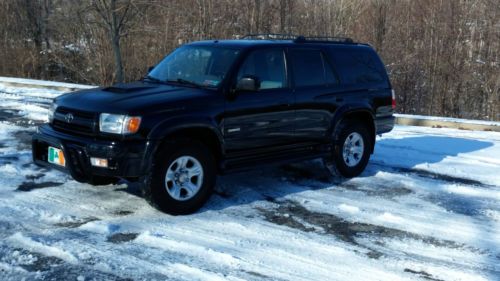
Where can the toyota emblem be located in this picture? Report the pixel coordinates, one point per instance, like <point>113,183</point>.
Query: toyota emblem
<point>69,118</point>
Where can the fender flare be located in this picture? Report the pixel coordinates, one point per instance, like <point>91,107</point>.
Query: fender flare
<point>352,109</point>
<point>158,134</point>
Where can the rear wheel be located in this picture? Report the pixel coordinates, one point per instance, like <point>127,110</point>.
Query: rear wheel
<point>351,150</point>
<point>182,178</point>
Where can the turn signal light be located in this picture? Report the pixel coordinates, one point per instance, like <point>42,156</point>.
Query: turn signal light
<point>132,125</point>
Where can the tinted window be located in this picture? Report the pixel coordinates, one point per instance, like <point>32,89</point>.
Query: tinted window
<point>310,68</point>
<point>358,66</point>
<point>268,65</point>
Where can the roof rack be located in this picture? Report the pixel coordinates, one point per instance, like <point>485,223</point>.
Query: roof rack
<point>298,38</point>
<point>270,36</point>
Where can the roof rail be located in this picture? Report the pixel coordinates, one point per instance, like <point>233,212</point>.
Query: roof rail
<point>324,39</point>
<point>270,36</point>
<point>298,38</point>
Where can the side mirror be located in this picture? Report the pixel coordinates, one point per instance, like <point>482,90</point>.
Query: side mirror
<point>248,83</point>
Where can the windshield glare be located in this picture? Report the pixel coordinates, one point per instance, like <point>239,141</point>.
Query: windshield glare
<point>205,66</point>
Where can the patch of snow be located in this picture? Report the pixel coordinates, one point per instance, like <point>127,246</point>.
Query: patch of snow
<point>348,208</point>
<point>9,169</point>
<point>193,273</point>
<point>487,193</point>
<point>43,83</point>
<point>6,267</point>
<point>27,94</point>
<point>18,239</point>
<point>388,217</point>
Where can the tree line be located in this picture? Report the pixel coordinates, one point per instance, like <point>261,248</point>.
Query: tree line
<point>443,56</point>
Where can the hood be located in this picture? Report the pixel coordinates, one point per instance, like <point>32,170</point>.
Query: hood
<point>136,97</point>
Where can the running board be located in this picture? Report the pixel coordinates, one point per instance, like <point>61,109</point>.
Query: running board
<point>239,164</point>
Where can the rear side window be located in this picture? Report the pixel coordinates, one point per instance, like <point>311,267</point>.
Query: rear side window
<point>310,68</point>
<point>358,66</point>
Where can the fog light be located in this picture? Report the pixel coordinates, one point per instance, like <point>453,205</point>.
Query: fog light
<point>99,162</point>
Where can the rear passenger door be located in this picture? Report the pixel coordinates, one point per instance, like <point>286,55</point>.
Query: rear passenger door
<point>261,120</point>
<point>317,93</point>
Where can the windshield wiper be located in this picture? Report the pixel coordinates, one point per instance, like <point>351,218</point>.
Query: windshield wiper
<point>185,82</point>
<point>152,79</point>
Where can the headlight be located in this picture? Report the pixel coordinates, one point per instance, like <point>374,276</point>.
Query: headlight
<point>52,111</point>
<point>119,124</point>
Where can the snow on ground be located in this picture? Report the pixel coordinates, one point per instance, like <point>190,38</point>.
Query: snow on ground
<point>29,82</point>
<point>426,208</point>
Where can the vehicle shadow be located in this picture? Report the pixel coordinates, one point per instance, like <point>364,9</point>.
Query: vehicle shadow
<point>391,155</point>
<point>412,151</point>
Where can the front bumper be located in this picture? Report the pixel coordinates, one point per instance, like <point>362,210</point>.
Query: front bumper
<point>127,158</point>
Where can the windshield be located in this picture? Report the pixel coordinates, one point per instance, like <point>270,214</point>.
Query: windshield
<point>196,65</point>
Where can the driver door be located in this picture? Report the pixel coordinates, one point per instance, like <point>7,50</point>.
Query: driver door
<point>261,119</point>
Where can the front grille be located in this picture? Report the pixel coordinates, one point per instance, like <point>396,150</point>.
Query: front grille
<point>81,123</point>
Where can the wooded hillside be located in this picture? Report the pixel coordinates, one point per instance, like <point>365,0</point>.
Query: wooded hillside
<point>443,55</point>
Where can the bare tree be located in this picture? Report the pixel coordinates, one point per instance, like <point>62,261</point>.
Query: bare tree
<point>443,56</point>
<point>115,14</point>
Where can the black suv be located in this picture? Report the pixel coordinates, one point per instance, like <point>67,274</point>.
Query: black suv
<point>214,107</point>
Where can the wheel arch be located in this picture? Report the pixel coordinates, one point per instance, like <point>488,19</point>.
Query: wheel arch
<point>203,134</point>
<point>199,130</point>
<point>359,114</point>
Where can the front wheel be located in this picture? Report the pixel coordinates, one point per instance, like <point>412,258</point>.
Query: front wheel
<point>183,177</point>
<point>351,150</point>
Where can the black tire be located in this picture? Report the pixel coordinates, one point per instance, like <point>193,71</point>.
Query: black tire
<point>155,190</point>
<point>336,164</point>
<point>101,180</point>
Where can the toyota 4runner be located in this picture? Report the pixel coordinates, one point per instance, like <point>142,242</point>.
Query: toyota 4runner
<point>214,107</point>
